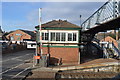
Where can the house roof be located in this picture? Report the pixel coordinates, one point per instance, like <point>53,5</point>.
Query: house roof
<point>31,33</point>
<point>59,24</point>
<point>1,30</point>
<point>101,36</point>
<point>4,36</point>
<point>108,38</point>
<point>28,32</point>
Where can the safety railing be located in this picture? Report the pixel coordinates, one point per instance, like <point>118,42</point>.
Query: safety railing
<point>111,51</point>
<point>116,51</point>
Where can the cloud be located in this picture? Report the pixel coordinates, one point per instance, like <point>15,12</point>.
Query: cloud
<point>54,0</point>
<point>32,16</point>
<point>51,11</point>
<point>14,25</point>
<point>65,10</point>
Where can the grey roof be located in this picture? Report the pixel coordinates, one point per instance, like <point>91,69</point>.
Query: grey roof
<point>1,30</point>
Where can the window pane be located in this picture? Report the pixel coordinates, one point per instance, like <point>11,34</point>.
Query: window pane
<point>18,34</point>
<point>11,38</point>
<point>69,36</point>
<point>43,36</point>
<point>63,35</point>
<point>52,36</point>
<point>18,38</point>
<point>46,36</point>
<point>57,36</point>
<point>74,36</point>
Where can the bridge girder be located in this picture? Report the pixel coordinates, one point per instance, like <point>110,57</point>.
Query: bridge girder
<point>109,11</point>
<point>110,25</point>
<point>88,35</point>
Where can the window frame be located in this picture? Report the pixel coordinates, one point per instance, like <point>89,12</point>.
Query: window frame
<point>58,36</point>
<point>51,39</point>
<point>70,36</point>
<point>61,39</point>
<point>44,36</point>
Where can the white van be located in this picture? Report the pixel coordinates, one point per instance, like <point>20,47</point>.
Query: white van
<point>31,44</point>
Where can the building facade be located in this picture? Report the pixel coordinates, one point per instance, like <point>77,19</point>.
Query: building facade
<point>20,35</point>
<point>61,40</point>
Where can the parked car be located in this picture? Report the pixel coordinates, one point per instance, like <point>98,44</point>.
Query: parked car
<point>4,45</point>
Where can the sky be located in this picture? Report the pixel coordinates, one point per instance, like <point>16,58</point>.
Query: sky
<point>24,15</point>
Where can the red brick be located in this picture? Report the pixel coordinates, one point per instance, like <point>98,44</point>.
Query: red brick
<point>110,39</point>
<point>68,55</point>
<point>23,35</point>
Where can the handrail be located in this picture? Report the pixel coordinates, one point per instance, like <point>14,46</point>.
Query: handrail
<point>108,11</point>
<point>107,53</point>
<point>116,50</point>
<point>95,12</point>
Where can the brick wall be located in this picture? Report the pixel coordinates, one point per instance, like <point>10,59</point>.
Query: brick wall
<point>110,39</point>
<point>68,55</point>
<point>22,36</point>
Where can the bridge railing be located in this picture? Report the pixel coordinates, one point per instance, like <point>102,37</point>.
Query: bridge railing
<point>111,51</point>
<point>116,51</point>
<point>110,10</point>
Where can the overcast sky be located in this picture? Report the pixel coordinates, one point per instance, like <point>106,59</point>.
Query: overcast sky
<point>24,15</point>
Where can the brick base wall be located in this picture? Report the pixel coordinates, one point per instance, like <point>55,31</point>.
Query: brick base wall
<point>67,55</point>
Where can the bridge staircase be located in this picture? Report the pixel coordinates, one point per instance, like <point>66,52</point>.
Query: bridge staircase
<point>111,51</point>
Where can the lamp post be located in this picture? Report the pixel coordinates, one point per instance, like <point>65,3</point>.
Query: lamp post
<point>79,42</point>
<point>80,20</point>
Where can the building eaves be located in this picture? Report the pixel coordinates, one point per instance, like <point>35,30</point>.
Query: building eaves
<point>59,24</point>
<point>28,32</point>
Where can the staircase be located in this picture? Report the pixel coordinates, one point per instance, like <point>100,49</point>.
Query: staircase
<point>111,51</point>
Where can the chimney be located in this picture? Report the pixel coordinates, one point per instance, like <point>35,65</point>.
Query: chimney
<point>65,20</point>
<point>60,20</point>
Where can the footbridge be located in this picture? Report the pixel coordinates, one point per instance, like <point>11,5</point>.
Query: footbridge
<point>107,17</point>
